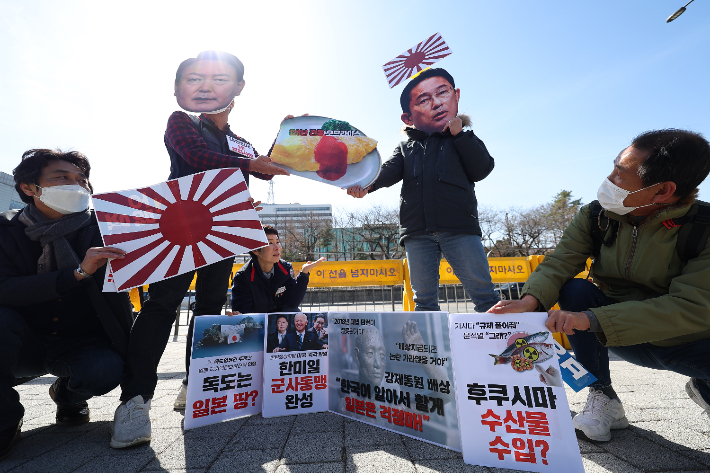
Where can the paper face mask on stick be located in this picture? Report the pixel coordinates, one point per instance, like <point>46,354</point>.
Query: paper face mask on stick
<point>209,82</point>
<point>178,226</point>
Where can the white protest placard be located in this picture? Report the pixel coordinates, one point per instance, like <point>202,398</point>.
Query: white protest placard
<point>394,371</point>
<point>513,409</point>
<point>226,369</point>
<point>295,363</point>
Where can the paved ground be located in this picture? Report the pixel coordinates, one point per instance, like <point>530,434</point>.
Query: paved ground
<point>668,434</point>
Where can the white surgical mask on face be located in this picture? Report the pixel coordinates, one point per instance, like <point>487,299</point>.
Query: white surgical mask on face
<point>611,197</point>
<point>65,199</point>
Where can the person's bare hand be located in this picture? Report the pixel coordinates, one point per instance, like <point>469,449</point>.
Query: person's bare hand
<point>566,322</point>
<point>311,264</point>
<point>277,349</point>
<point>288,117</point>
<point>97,257</point>
<point>263,165</point>
<point>455,126</point>
<point>257,204</point>
<point>325,345</point>
<point>358,191</point>
<point>411,335</point>
<point>527,304</point>
<point>231,313</point>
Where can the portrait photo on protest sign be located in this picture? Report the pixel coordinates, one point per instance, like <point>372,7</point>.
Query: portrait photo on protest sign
<point>326,150</point>
<point>394,370</point>
<point>225,369</point>
<point>209,82</point>
<point>178,226</point>
<point>513,409</point>
<point>296,368</point>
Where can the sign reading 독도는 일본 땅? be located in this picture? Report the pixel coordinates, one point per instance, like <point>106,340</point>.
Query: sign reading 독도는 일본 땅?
<point>225,369</point>
<point>393,370</point>
<point>513,409</point>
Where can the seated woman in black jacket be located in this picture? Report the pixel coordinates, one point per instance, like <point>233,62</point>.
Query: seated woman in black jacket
<point>267,283</point>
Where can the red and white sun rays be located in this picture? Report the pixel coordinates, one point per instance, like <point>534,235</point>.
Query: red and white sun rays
<point>178,226</point>
<point>415,59</point>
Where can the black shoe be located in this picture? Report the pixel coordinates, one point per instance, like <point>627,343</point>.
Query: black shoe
<point>74,414</point>
<point>8,438</point>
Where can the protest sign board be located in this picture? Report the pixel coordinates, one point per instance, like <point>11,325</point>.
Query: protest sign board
<point>178,226</point>
<point>394,370</point>
<point>296,368</point>
<point>225,369</point>
<point>513,409</point>
<point>326,150</point>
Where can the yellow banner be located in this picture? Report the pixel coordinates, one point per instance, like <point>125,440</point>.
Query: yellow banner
<point>502,270</point>
<point>355,273</point>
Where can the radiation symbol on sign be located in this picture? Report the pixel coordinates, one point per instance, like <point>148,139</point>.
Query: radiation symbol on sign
<point>530,353</point>
<point>520,342</point>
<point>518,363</point>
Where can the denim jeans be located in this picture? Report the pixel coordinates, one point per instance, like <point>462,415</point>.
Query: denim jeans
<point>465,255</point>
<point>151,330</point>
<point>91,366</point>
<point>690,359</point>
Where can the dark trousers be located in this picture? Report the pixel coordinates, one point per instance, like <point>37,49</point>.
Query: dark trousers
<point>91,366</point>
<point>691,359</point>
<point>151,330</point>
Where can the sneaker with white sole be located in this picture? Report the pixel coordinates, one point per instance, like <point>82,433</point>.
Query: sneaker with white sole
<point>599,416</point>
<point>691,387</point>
<point>181,399</point>
<point>131,423</point>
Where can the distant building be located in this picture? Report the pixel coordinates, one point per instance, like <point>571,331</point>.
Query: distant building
<point>283,214</point>
<point>9,199</point>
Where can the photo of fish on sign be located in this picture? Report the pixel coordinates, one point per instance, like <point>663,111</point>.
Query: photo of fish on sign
<point>526,352</point>
<point>326,150</point>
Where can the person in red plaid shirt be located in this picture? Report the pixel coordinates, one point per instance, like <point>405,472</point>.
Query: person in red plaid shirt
<point>205,84</point>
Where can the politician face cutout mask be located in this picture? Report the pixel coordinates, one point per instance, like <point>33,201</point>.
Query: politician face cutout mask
<point>209,83</point>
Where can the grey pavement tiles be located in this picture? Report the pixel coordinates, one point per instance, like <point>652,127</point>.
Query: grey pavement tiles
<point>668,433</point>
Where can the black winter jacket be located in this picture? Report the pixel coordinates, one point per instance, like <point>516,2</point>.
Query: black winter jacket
<point>439,172</point>
<point>252,292</point>
<point>27,292</point>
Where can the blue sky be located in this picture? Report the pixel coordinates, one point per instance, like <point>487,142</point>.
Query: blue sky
<point>555,89</point>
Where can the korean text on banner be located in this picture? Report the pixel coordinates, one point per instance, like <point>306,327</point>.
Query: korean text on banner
<point>513,409</point>
<point>225,369</point>
<point>394,371</point>
<point>296,369</point>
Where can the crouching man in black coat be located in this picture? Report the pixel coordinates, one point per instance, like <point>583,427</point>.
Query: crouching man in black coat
<point>53,316</point>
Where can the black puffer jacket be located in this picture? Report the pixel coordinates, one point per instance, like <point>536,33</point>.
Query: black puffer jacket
<point>35,295</point>
<point>439,172</point>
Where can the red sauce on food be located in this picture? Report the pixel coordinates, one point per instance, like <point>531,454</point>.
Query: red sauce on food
<point>332,155</point>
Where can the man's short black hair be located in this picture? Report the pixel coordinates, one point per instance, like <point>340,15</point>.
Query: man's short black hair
<point>268,230</point>
<point>281,316</point>
<point>406,98</point>
<point>680,156</point>
<point>34,160</point>
<point>230,59</point>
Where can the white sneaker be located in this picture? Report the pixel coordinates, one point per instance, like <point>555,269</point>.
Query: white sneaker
<point>131,423</point>
<point>693,393</point>
<point>181,399</point>
<point>599,416</point>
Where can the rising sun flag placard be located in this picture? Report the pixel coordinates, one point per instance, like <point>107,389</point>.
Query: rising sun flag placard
<point>415,59</point>
<point>178,226</point>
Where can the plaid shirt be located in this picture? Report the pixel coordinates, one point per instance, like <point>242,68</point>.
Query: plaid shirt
<point>183,138</point>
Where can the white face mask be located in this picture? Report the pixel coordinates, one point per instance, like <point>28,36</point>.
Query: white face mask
<point>611,197</point>
<point>65,199</point>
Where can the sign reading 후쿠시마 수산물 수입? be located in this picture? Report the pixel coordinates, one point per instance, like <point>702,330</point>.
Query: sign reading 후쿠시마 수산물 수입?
<point>513,409</point>
<point>393,370</point>
<point>295,363</point>
<point>225,369</point>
